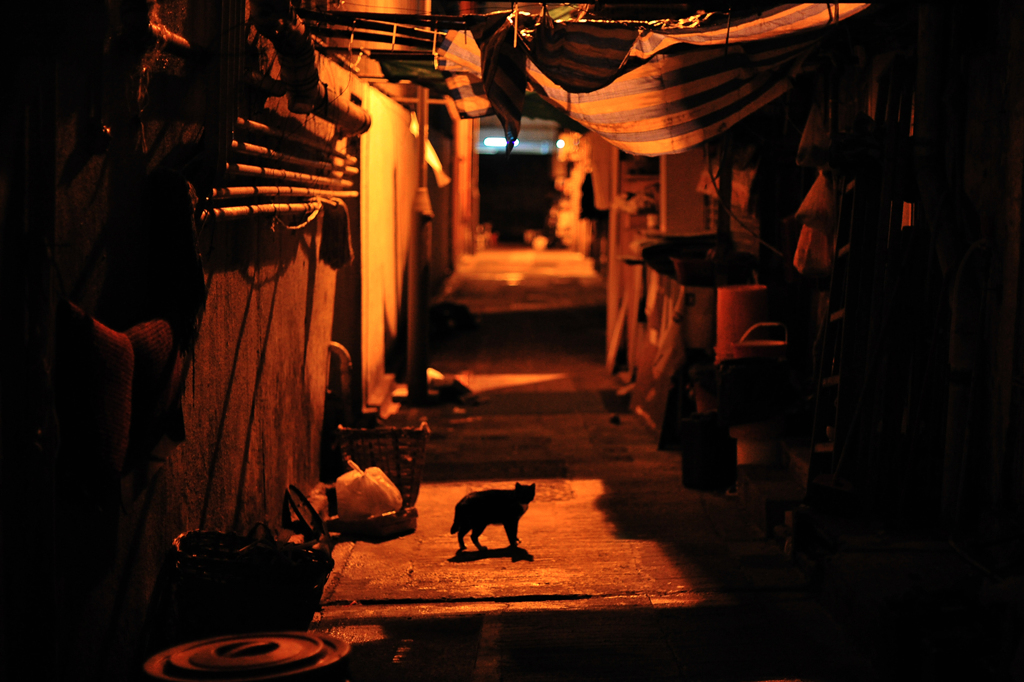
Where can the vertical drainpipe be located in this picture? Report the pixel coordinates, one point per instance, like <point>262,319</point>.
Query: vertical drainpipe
<point>969,265</point>
<point>416,350</point>
<point>614,284</point>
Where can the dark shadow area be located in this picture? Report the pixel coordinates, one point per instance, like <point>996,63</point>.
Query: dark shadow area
<point>548,341</point>
<point>751,638</point>
<point>539,402</point>
<point>515,192</point>
<point>514,553</point>
<point>418,651</point>
<point>615,403</point>
<point>695,530</point>
<point>350,536</point>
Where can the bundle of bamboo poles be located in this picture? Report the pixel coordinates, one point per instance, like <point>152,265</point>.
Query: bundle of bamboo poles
<point>252,188</point>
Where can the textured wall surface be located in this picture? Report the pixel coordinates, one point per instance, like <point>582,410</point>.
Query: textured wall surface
<point>254,392</point>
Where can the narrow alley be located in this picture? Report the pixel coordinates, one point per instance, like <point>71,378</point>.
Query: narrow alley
<point>735,291</point>
<point>622,573</point>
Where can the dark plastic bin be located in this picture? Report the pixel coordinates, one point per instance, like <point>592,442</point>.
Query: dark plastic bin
<point>709,454</point>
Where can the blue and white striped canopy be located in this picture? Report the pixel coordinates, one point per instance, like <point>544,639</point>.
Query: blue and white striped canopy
<point>647,92</point>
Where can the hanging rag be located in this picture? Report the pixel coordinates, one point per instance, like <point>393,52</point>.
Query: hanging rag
<point>503,67</point>
<point>336,240</point>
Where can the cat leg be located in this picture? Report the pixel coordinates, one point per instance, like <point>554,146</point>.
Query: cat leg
<point>462,543</point>
<point>512,531</point>
<point>475,537</point>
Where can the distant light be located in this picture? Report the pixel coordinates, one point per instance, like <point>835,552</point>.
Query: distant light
<point>560,144</point>
<point>497,142</point>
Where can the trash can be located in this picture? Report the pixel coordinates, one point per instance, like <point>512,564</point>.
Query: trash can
<point>709,454</point>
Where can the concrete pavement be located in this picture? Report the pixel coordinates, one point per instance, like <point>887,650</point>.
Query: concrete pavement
<point>622,573</point>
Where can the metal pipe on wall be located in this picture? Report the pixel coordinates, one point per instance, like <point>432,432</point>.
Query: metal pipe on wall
<point>416,350</point>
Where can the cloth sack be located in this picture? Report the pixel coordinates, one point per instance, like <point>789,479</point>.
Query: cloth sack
<point>817,214</point>
<point>818,209</point>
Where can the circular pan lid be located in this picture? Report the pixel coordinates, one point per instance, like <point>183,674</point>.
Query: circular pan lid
<point>248,658</point>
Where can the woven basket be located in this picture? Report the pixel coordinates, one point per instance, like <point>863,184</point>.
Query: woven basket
<point>228,583</point>
<point>400,452</point>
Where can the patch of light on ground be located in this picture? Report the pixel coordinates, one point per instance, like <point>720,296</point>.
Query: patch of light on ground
<point>479,383</point>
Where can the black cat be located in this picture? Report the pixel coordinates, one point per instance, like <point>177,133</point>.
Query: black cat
<point>476,511</point>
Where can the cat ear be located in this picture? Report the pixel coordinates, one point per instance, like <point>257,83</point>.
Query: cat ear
<point>519,486</point>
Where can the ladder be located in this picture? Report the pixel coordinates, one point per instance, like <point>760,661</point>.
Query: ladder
<point>859,285</point>
<point>842,368</point>
<point>832,384</point>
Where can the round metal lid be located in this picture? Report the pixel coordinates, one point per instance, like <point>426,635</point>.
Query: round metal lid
<point>251,657</point>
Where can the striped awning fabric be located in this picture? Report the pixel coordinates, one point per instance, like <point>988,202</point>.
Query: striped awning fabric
<point>647,92</point>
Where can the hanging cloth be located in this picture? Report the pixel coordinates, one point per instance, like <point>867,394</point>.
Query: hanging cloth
<point>503,66</point>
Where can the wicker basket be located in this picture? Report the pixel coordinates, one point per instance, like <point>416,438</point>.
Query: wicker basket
<point>228,583</point>
<point>400,452</point>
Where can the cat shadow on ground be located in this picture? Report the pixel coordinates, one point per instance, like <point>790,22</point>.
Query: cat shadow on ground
<point>514,553</point>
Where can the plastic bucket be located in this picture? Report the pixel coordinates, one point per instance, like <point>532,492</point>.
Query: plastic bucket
<point>747,347</point>
<point>740,307</point>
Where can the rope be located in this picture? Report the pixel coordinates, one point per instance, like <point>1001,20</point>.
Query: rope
<point>317,203</point>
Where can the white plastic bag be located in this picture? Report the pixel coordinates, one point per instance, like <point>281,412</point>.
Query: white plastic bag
<point>365,494</point>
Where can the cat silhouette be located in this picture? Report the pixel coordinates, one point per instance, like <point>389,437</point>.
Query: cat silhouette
<point>476,511</point>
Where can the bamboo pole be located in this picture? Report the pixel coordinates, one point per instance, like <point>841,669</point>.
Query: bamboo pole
<point>267,153</point>
<point>266,190</point>
<point>244,169</point>
<point>258,209</point>
<point>319,145</point>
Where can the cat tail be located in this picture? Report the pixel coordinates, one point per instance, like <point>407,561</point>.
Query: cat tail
<point>455,524</point>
